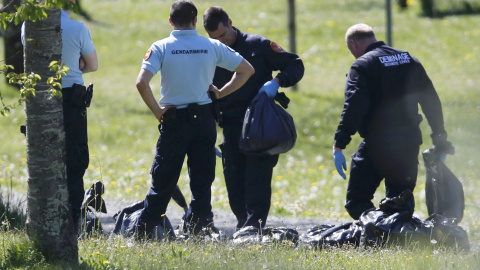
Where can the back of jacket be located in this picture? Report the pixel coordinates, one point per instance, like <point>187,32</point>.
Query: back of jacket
<point>382,93</point>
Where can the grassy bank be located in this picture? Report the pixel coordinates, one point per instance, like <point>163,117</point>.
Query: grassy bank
<point>122,131</point>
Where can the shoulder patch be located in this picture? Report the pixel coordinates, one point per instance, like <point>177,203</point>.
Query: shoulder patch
<point>395,59</point>
<point>147,55</point>
<point>275,47</point>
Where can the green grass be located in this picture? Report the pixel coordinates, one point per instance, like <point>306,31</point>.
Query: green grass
<point>122,131</point>
<point>101,253</point>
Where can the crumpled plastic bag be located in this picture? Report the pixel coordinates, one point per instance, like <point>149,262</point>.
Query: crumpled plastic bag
<point>127,222</point>
<point>267,128</point>
<point>392,223</point>
<point>443,191</point>
<point>91,205</point>
<point>253,235</point>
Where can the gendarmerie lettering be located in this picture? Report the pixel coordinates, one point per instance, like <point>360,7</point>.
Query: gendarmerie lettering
<point>190,51</point>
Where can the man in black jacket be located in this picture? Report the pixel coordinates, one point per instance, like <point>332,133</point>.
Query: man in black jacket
<point>248,177</point>
<point>382,93</point>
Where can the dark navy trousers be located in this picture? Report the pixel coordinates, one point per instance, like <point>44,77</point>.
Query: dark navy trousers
<point>248,180</point>
<point>76,146</point>
<point>394,159</point>
<point>184,132</point>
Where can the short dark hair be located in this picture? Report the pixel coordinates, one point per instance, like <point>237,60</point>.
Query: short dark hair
<point>213,16</point>
<point>182,13</point>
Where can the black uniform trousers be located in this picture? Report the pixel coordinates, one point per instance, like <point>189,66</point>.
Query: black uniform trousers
<point>192,132</point>
<point>393,158</point>
<point>77,155</point>
<point>248,180</point>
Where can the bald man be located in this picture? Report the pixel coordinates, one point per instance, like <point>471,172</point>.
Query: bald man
<point>382,93</point>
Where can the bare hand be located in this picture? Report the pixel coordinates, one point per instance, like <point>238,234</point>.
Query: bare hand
<point>163,110</point>
<point>81,63</point>
<point>214,90</point>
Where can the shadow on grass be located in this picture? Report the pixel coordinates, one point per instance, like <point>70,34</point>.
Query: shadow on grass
<point>465,8</point>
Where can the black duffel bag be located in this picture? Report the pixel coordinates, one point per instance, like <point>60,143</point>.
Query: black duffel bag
<point>267,128</point>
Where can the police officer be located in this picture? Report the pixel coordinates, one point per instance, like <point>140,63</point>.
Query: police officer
<point>79,55</point>
<point>382,93</point>
<point>248,177</point>
<point>186,62</point>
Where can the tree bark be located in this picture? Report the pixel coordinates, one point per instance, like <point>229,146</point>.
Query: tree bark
<point>49,218</point>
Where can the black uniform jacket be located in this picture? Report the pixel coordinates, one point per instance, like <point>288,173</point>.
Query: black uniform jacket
<point>382,93</point>
<point>265,57</point>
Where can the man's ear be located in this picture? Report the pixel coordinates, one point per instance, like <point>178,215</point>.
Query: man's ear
<point>170,20</point>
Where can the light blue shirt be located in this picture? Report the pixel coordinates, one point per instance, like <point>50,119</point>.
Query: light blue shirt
<point>187,63</point>
<point>76,41</point>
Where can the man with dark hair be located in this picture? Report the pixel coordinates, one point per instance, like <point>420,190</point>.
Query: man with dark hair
<point>382,93</point>
<point>248,177</point>
<point>186,62</point>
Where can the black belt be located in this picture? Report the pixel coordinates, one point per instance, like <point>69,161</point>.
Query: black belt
<point>193,112</point>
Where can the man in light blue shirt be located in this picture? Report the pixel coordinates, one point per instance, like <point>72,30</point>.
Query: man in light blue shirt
<point>186,62</point>
<point>79,55</point>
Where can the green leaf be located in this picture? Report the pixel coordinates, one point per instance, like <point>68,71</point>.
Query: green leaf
<point>5,111</point>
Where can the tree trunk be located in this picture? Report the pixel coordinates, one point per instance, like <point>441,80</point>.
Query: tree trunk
<point>428,8</point>
<point>12,40</point>
<point>49,217</point>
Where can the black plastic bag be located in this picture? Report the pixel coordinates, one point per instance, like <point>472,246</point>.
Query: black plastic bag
<point>443,191</point>
<point>267,128</point>
<point>127,223</point>
<point>392,223</point>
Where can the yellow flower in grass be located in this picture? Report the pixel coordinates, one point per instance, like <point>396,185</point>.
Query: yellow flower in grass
<point>330,23</point>
<point>106,262</point>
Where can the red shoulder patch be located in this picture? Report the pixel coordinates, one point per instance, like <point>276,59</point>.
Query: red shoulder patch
<point>275,47</point>
<point>147,55</point>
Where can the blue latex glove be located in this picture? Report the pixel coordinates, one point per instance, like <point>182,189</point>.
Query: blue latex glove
<point>218,153</point>
<point>441,154</point>
<point>340,163</point>
<point>270,88</point>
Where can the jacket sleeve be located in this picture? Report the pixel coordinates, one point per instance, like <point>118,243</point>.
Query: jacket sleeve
<point>431,107</point>
<point>289,64</point>
<point>356,106</point>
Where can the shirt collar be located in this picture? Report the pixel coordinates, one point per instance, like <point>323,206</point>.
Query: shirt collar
<point>373,46</point>
<point>64,14</point>
<point>239,36</point>
<point>177,33</point>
